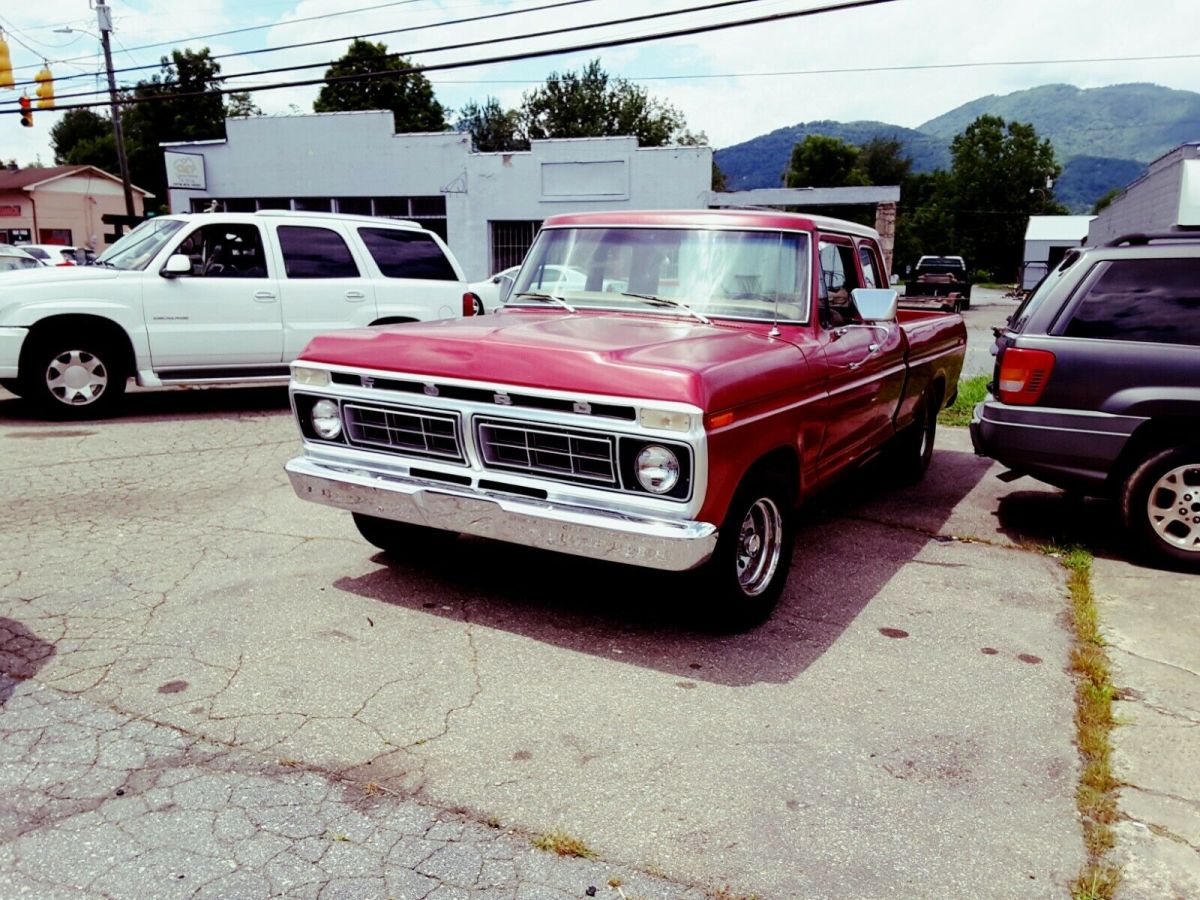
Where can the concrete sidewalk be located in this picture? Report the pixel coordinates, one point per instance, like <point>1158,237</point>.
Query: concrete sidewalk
<point>1151,621</point>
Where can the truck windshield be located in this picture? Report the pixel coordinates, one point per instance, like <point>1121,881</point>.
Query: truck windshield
<point>136,249</point>
<point>759,275</point>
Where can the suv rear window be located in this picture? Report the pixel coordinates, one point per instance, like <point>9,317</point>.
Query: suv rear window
<point>407,254</point>
<point>1148,300</point>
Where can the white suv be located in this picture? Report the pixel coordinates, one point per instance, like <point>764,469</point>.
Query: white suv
<point>214,298</point>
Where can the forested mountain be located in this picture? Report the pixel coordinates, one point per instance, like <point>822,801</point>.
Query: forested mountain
<point>1104,137</point>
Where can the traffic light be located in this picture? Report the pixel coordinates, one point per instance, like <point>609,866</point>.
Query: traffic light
<point>26,112</point>
<point>6,73</point>
<point>45,88</point>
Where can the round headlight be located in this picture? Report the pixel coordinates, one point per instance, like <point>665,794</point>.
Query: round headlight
<point>326,421</point>
<point>657,469</point>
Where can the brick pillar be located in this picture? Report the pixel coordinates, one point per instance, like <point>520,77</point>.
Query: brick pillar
<point>885,224</point>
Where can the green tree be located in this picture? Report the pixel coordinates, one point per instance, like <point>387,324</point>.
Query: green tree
<point>408,94</point>
<point>196,114</point>
<point>493,129</point>
<point>823,161</point>
<point>1001,175</point>
<point>882,161</point>
<point>76,129</point>
<point>924,219</point>
<point>591,103</point>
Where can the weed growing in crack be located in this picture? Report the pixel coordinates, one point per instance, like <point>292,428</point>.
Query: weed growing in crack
<point>558,841</point>
<point>1096,795</point>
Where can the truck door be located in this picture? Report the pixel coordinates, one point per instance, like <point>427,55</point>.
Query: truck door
<point>324,287</point>
<point>864,384</point>
<point>225,312</point>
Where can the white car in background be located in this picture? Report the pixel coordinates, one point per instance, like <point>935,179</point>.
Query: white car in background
<point>493,292</point>
<point>16,258</point>
<point>58,254</point>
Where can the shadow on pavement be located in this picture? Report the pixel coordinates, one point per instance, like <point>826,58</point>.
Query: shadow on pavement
<point>177,403</point>
<point>1063,520</point>
<point>648,619</point>
<point>22,654</point>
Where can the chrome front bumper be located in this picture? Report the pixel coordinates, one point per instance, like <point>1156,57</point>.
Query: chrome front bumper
<point>595,533</point>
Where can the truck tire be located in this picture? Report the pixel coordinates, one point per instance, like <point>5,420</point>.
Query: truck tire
<point>72,376</point>
<point>1160,506</point>
<point>749,568</point>
<point>401,540</point>
<point>912,448</point>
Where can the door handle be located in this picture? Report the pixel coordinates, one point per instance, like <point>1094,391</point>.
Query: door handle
<point>264,296</point>
<point>355,295</point>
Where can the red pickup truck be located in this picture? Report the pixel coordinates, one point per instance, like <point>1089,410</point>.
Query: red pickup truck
<point>661,389</point>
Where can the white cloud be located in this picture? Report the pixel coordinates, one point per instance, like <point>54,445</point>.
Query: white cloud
<point>729,109</point>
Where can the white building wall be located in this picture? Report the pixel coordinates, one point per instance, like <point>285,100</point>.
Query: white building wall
<point>1150,203</point>
<point>356,154</point>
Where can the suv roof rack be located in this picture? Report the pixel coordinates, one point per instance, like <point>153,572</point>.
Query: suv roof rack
<point>1139,239</point>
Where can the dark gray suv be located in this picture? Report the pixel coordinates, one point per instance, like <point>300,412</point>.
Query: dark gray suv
<point>1097,387</point>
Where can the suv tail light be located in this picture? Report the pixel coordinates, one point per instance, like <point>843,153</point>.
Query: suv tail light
<point>1024,375</point>
<point>469,304</point>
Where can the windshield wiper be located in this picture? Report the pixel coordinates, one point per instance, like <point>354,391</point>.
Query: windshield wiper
<point>535,295</point>
<point>667,301</point>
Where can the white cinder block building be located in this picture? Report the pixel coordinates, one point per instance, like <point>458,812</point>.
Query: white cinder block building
<point>487,206</point>
<point>1164,197</point>
<point>1047,240</point>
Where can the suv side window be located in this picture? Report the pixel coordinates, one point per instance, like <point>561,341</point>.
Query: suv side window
<point>407,254</point>
<point>311,252</point>
<point>1148,300</point>
<point>225,251</point>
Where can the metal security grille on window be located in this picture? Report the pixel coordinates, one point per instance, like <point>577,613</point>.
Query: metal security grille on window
<point>407,431</point>
<point>563,455</point>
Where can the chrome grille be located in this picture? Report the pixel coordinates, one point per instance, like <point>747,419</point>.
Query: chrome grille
<point>413,432</point>
<point>548,451</point>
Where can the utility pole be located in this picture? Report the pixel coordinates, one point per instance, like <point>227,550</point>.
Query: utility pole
<point>104,19</point>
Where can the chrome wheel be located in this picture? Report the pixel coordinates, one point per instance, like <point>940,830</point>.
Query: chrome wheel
<point>76,377</point>
<point>759,546</point>
<point>1173,507</point>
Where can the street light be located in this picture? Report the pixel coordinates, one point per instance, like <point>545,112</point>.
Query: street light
<point>104,21</point>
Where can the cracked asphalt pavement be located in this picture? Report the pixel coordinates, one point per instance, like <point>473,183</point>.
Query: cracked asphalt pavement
<point>212,688</point>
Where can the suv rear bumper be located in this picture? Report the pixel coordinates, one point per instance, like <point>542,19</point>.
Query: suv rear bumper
<point>638,540</point>
<point>1069,448</point>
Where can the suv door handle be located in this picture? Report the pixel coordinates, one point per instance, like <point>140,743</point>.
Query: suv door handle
<point>355,295</point>
<point>264,296</point>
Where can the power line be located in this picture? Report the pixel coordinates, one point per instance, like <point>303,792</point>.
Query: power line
<point>531,54</point>
<point>202,37</point>
<point>459,46</point>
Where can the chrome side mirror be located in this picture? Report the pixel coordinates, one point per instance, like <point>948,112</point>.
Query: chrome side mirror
<point>875,304</point>
<point>506,283</point>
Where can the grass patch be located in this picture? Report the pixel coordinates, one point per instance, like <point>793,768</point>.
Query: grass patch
<point>558,841</point>
<point>1096,795</point>
<point>970,392</point>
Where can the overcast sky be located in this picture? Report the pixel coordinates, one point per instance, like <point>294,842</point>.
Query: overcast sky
<point>732,84</point>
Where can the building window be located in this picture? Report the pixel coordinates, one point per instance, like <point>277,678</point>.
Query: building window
<point>54,236</point>
<point>511,241</point>
<point>313,204</point>
<point>354,206</point>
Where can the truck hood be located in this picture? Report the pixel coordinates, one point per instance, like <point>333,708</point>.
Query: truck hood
<point>654,357</point>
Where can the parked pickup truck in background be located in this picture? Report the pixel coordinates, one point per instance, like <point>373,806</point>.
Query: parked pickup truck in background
<point>213,298</point>
<point>1097,387</point>
<point>943,277</point>
<point>710,372</point>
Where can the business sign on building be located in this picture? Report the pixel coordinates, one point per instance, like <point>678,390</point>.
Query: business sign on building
<point>185,170</point>
<point>10,211</point>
